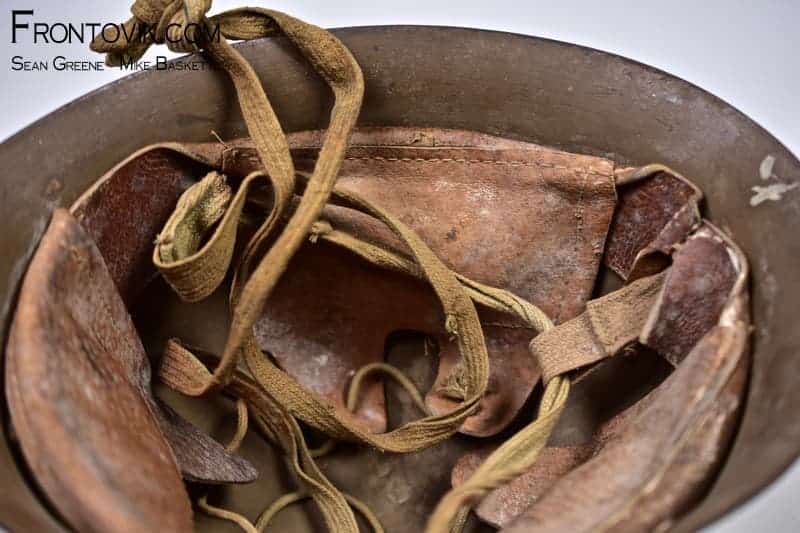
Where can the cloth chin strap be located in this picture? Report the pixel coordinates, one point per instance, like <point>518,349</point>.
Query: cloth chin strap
<point>608,324</point>
<point>194,252</point>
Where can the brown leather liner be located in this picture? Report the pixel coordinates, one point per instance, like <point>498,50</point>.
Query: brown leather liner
<point>695,292</point>
<point>75,400</point>
<point>486,210</point>
<point>655,213</point>
<point>650,463</point>
<point>510,169</point>
<point>92,312</point>
<point>126,208</point>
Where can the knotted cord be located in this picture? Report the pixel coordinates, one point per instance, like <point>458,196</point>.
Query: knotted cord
<point>195,251</point>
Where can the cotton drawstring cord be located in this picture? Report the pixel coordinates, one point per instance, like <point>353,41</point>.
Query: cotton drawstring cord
<point>297,496</point>
<point>195,251</point>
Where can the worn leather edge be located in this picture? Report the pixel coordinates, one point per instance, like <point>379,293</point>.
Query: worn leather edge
<point>677,486</point>
<point>81,509</point>
<point>238,158</point>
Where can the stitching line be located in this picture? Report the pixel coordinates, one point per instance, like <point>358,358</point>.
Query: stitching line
<point>476,161</point>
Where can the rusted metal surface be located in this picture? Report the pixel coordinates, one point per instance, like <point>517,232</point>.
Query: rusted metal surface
<point>495,83</point>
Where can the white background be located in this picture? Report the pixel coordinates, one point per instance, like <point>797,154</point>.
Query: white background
<point>746,52</point>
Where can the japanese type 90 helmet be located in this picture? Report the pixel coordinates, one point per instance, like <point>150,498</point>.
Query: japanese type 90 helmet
<point>515,294</point>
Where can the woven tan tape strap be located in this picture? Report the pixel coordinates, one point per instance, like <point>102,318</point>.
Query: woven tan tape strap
<point>195,273</point>
<point>335,64</point>
<point>461,321</point>
<point>195,263</point>
<point>498,299</point>
<point>196,276</point>
<point>514,457</point>
<point>607,325</point>
<point>182,371</point>
<point>430,430</point>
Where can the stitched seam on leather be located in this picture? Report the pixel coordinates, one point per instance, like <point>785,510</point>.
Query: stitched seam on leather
<point>578,214</point>
<point>512,163</point>
<point>475,161</point>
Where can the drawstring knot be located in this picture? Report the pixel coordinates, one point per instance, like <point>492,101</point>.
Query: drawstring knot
<point>180,24</point>
<point>318,229</point>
